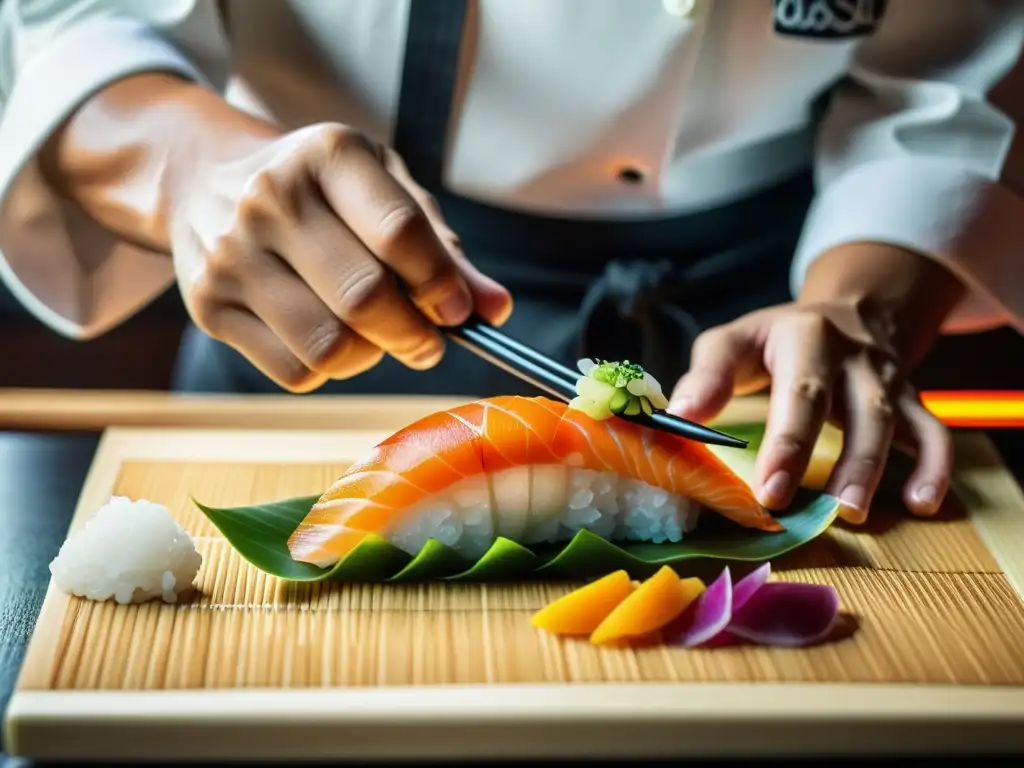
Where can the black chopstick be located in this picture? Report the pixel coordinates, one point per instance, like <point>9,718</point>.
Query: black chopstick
<point>496,353</point>
<point>554,366</point>
<point>559,380</point>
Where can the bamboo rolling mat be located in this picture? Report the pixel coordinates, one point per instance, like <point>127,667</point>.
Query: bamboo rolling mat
<point>929,653</point>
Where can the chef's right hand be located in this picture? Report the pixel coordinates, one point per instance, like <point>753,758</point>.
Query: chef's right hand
<point>315,253</point>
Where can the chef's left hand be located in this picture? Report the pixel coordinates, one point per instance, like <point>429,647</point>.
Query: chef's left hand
<point>841,352</point>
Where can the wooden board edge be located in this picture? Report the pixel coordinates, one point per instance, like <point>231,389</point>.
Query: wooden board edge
<point>517,721</point>
<point>239,445</point>
<point>100,409</point>
<point>1001,528</point>
<point>37,664</point>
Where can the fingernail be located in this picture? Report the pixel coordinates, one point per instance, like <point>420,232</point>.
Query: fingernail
<point>680,406</point>
<point>774,491</point>
<point>506,313</point>
<point>855,496</point>
<point>927,495</point>
<point>852,515</point>
<point>428,357</point>
<point>454,310</point>
<point>926,500</point>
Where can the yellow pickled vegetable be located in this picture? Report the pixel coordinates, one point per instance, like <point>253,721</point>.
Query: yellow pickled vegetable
<point>655,603</point>
<point>823,458</point>
<point>581,612</point>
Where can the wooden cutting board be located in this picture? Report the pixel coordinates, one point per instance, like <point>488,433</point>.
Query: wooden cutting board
<point>930,655</point>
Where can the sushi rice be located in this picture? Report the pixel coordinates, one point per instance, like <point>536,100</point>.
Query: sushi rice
<point>129,551</point>
<point>544,504</point>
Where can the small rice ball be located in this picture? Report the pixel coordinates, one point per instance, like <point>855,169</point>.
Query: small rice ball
<point>129,551</point>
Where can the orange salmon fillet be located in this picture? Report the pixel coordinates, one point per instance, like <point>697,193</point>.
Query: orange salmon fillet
<point>485,436</point>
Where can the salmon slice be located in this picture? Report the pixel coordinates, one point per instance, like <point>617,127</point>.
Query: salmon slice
<point>494,436</point>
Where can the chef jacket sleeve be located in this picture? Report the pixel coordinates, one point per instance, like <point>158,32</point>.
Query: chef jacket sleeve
<point>917,149</point>
<point>65,269</point>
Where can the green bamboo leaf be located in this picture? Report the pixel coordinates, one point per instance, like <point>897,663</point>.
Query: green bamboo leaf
<point>373,559</point>
<point>588,555</point>
<point>260,534</point>
<point>434,561</point>
<point>504,560</point>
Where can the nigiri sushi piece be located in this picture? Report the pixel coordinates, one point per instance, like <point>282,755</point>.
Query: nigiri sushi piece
<point>528,469</point>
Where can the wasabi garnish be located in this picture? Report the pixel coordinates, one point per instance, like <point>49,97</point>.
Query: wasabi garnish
<point>607,389</point>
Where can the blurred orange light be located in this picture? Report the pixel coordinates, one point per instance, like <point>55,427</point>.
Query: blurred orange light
<point>977,408</point>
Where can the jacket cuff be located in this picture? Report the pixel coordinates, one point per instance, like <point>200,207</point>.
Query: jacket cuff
<point>64,269</point>
<point>69,69</point>
<point>968,222</point>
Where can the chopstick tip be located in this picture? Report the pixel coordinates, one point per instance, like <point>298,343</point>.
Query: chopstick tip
<point>735,442</point>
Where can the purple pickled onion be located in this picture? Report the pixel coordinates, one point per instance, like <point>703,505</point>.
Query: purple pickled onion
<point>746,587</point>
<point>786,613</point>
<point>706,617</point>
<point>755,611</point>
<point>723,640</point>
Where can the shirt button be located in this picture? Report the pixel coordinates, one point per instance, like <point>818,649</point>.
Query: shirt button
<point>631,176</point>
<point>680,8</point>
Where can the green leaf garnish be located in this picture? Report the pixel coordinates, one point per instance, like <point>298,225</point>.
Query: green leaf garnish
<point>616,374</point>
<point>259,533</point>
<point>607,388</point>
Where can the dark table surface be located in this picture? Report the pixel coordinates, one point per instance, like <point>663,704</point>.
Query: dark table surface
<point>41,476</point>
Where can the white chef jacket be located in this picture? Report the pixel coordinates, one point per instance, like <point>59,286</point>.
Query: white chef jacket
<point>706,98</point>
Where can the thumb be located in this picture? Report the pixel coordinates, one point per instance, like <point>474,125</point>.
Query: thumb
<point>491,300</point>
<point>723,360</point>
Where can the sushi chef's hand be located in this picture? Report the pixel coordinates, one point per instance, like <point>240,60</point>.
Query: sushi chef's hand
<point>287,248</point>
<point>313,253</point>
<point>841,352</point>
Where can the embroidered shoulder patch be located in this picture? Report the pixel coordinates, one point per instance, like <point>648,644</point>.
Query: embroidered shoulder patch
<point>828,19</point>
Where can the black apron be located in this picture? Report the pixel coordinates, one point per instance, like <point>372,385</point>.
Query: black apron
<point>639,290</point>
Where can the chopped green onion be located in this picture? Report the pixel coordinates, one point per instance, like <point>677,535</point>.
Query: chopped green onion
<point>608,388</point>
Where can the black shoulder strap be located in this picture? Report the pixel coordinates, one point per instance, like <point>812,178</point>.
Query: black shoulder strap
<point>429,75</point>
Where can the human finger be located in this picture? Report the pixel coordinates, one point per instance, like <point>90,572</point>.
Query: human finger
<point>359,292</point>
<point>870,420</point>
<point>927,486</point>
<point>800,363</point>
<point>723,359</point>
<point>306,326</point>
<point>241,330</point>
<point>491,300</point>
<point>392,226</point>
